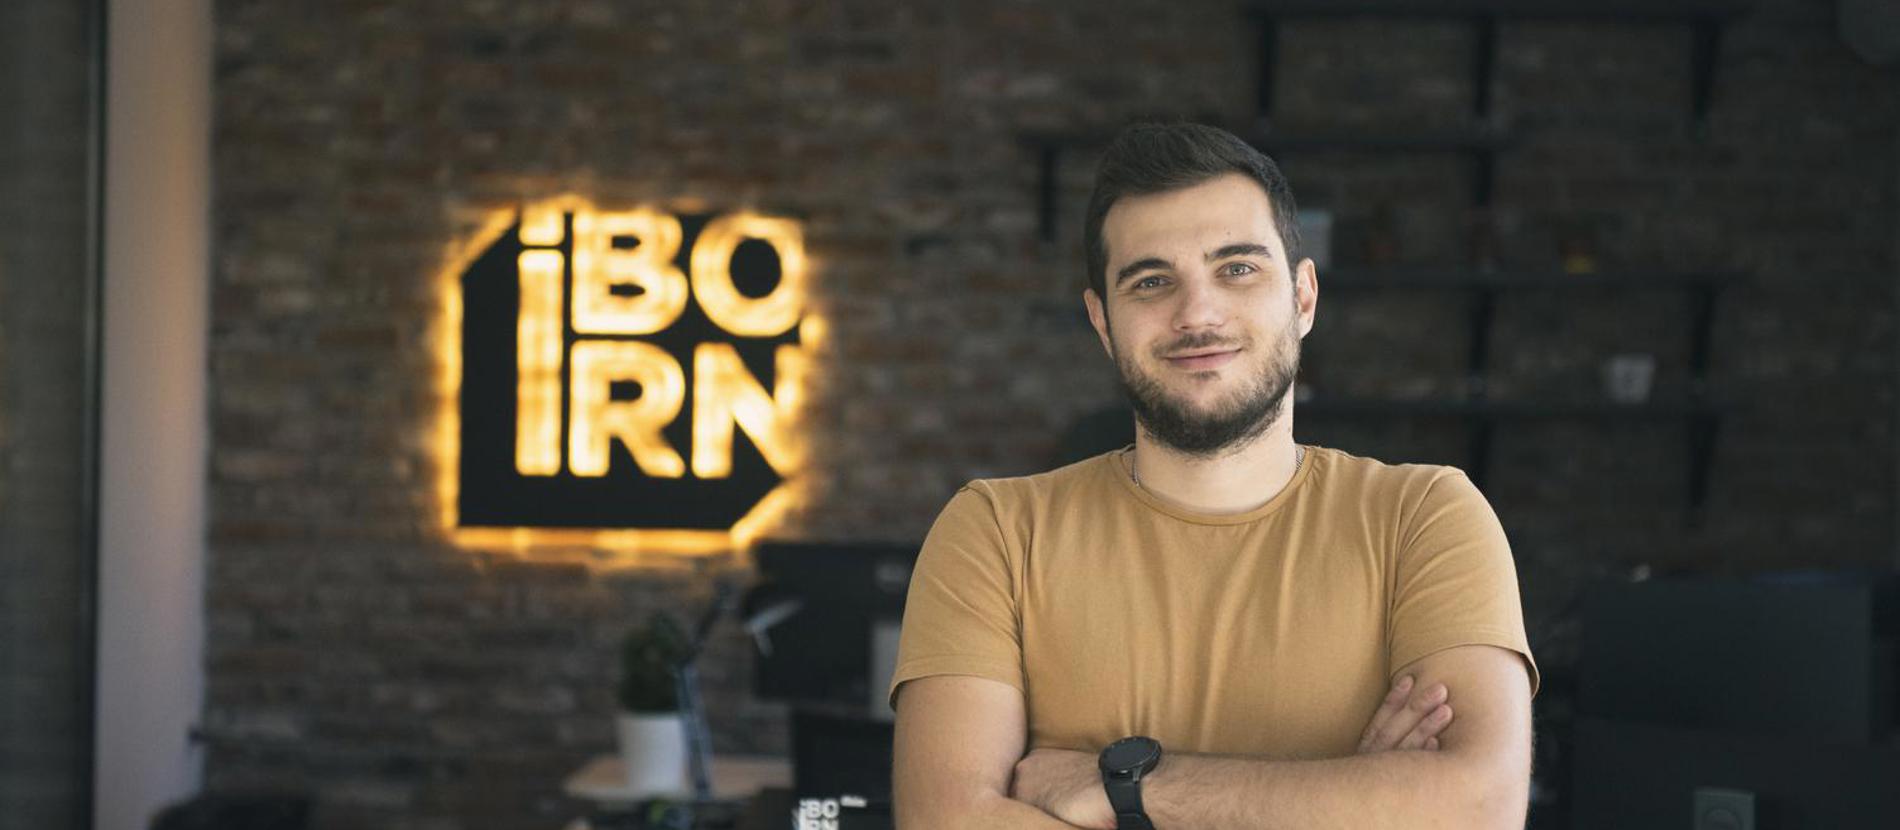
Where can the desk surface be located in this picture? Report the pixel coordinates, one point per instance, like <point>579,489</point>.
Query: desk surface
<point>604,779</point>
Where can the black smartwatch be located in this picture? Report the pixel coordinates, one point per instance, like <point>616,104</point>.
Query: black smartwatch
<point>1124,763</point>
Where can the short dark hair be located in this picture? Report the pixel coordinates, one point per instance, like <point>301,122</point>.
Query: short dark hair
<point>1157,157</point>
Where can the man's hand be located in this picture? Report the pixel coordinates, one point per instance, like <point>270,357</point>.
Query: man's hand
<point>1406,720</point>
<point>1065,784</point>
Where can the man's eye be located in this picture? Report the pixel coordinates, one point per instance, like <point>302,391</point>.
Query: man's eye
<point>1239,269</point>
<point>1147,282</point>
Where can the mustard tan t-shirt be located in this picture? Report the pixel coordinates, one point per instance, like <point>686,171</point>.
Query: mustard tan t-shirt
<point>1270,633</point>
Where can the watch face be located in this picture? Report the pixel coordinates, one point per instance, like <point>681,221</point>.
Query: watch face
<point>1130,754</point>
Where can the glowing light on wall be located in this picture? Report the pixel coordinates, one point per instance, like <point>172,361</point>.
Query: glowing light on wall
<point>726,395</point>
<point>712,275</point>
<point>544,225</point>
<point>597,420</point>
<point>538,344</point>
<point>599,267</point>
<point>602,329</point>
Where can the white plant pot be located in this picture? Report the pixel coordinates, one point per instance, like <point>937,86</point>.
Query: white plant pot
<point>653,750</point>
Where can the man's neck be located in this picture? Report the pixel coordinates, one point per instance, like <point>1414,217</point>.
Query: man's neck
<point>1226,483</point>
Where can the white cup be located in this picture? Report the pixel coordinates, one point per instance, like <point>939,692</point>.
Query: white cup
<point>1628,378</point>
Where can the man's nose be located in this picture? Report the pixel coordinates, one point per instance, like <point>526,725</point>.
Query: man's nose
<point>1200,306</point>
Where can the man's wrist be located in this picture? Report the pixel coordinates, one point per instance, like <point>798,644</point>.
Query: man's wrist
<point>1125,765</point>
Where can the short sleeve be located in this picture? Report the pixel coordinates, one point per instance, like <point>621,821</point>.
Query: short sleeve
<point>1456,583</point>
<point>960,616</point>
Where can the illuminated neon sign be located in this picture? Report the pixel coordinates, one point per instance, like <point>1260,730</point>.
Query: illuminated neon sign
<point>629,369</point>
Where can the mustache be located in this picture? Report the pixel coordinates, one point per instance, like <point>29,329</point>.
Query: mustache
<point>1201,340</point>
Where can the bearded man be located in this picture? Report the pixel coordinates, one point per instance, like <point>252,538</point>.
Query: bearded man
<point>1215,627</point>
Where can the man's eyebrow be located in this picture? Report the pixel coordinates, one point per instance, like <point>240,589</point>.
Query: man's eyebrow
<point>1241,249</point>
<point>1223,252</point>
<point>1139,266</point>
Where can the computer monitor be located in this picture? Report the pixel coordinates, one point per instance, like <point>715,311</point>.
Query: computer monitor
<point>838,647</point>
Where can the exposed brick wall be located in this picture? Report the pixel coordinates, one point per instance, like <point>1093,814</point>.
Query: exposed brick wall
<point>355,653</point>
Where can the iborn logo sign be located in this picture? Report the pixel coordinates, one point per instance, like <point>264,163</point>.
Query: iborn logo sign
<point>629,369</point>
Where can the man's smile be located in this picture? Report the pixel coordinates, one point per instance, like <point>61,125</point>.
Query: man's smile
<point>1196,360</point>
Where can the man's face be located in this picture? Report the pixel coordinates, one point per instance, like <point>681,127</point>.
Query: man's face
<point>1203,314</point>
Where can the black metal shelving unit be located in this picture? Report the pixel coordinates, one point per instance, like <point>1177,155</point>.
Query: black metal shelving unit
<point>1704,17</point>
<point>1480,143</point>
<point>1482,140</point>
<point>1696,407</point>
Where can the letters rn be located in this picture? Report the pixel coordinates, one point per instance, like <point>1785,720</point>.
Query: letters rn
<point>725,394</point>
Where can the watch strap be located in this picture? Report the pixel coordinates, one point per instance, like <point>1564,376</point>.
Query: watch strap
<point>1124,796</point>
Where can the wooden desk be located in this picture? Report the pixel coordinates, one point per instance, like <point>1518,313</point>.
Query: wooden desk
<point>735,778</point>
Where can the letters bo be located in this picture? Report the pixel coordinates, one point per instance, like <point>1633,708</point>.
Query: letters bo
<point>629,369</point>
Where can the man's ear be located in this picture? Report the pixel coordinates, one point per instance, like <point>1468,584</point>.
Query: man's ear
<point>1306,293</point>
<point>1098,317</point>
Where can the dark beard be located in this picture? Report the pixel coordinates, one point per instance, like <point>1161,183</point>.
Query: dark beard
<point>1195,434</point>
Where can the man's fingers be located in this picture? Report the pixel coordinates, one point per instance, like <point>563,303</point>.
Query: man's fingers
<point>1394,722</point>
<point>1425,735</point>
<point>1388,708</point>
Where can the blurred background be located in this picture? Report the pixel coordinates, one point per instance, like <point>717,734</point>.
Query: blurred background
<point>1632,265</point>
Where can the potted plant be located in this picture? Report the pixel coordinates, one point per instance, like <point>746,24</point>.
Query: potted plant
<point>651,728</point>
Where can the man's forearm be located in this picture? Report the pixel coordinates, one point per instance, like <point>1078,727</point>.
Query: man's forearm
<point>1391,789</point>
<point>989,811</point>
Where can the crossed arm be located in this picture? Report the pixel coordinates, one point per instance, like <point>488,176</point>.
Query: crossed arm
<point>960,763</point>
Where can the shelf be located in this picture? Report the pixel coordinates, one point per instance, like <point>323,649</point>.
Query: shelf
<point>1702,418</point>
<point>1482,143</point>
<point>1461,278</point>
<point>1468,139</point>
<point>1705,17</point>
<point>1662,11</point>
<point>1477,139</point>
<point>1702,287</point>
<point>1495,410</point>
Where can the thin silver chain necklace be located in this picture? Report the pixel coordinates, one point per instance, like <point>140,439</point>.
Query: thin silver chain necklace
<point>1299,459</point>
